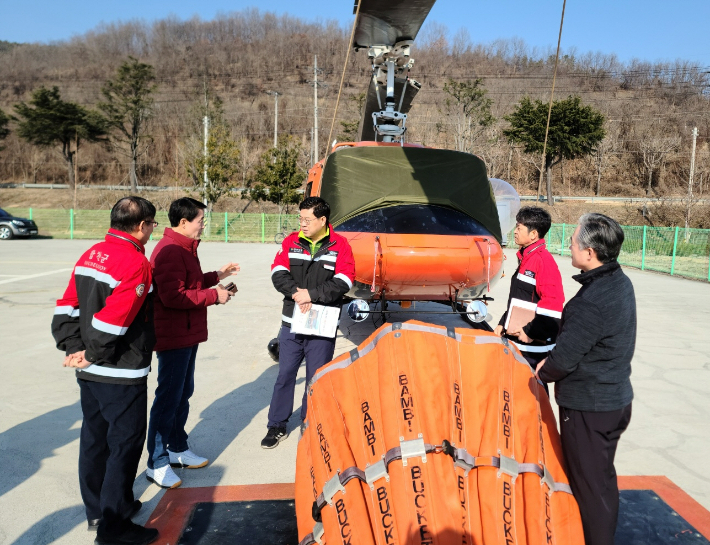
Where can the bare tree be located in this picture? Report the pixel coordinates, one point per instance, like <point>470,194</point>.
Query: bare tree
<point>654,150</point>
<point>602,154</point>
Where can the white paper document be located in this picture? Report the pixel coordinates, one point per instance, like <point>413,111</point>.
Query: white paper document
<point>319,320</point>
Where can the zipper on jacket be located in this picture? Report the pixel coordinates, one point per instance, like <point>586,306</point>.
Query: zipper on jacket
<point>322,248</point>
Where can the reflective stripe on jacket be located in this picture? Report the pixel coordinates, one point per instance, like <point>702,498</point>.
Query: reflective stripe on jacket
<point>327,275</point>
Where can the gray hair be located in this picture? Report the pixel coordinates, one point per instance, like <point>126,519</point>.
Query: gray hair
<point>602,234</point>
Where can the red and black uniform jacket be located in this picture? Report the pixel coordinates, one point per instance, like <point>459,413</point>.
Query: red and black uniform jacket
<point>327,275</point>
<point>183,293</point>
<point>538,283</point>
<point>107,310</point>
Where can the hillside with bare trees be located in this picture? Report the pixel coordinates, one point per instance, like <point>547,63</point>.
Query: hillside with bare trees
<point>230,63</point>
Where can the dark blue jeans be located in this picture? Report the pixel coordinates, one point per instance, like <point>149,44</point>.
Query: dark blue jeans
<point>176,382</point>
<point>292,349</point>
<point>112,436</point>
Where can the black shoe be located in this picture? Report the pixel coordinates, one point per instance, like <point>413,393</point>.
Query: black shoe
<point>135,508</point>
<point>133,534</point>
<point>273,437</point>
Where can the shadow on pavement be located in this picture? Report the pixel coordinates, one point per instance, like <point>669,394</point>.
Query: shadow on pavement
<point>53,526</point>
<point>23,447</point>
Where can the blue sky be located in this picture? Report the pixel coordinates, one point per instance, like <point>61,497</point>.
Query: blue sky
<point>650,30</point>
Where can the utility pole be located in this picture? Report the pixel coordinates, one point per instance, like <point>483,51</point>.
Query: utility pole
<point>314,133</point>
<point>315,109</point>
<point>313,161</point>
<point>206,122</point>
<point>276,95</point>
<point>690,182</point>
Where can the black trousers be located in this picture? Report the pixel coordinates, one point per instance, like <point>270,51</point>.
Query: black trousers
<point>112,437</point>
<point>589,441</point>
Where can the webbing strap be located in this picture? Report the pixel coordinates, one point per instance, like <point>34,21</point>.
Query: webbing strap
<point>461,459</point>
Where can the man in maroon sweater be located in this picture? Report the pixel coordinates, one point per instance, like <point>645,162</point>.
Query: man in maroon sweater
<point>183,295</point>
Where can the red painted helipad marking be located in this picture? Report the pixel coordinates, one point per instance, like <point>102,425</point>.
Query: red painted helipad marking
<point>174,509</point>
<point>694,513</point>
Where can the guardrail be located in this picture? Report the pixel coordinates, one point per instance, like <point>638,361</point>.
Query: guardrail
<point>670,250</point>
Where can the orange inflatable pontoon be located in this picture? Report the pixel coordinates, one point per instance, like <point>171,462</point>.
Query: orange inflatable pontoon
<point>431,436</point>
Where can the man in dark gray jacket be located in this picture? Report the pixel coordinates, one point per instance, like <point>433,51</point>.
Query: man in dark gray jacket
<point>591,368</point>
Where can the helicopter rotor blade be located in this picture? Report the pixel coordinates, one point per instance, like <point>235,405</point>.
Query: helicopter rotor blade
<point>386,22</point>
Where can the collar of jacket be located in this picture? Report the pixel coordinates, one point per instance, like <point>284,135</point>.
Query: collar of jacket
<point>320,242</point>
<point>119,237</point>
<point>530,248</point>
<point>188,243</point>
<point>604,270</point>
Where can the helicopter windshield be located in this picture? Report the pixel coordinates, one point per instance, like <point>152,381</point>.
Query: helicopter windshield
<point>414,219</point>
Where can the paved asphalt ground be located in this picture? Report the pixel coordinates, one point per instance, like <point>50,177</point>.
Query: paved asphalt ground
<point>40,416</point>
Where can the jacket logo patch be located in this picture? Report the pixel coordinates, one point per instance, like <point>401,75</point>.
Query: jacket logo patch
<point>140,288</point>
<point>295,250</point>
<point>530,274</point>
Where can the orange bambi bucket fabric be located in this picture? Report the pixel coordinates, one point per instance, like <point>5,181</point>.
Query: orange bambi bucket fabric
<point>425,435</point>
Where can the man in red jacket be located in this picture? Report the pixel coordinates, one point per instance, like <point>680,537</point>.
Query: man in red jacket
<point>537,286</point>
<point>183,295</point>
<point>104,325</point>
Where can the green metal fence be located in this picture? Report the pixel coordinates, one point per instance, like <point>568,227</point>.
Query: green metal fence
<point>671,250</point>
<point>219,226</point>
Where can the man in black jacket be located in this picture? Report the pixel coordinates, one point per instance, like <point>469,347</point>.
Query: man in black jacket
<point>591,369</point>
<point>313,266</point>
<point>104,325</point>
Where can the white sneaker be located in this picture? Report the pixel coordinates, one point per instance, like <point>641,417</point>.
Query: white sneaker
<point>187,459</point>
<point>163,476</point>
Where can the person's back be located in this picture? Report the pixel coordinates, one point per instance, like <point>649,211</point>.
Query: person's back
<point>104,325</point>
<point>116,336</point>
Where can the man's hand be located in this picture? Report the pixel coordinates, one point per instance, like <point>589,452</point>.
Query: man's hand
<point>228,270</point>
<point>301,297</point>
<point>76,360</point>
<point>520,334</point>
<point>498,330</point>
<point>223,295</point>
<point>539,366</point>
<point>305,307</point>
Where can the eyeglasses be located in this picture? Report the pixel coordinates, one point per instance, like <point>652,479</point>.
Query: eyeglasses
<point>306,221</point>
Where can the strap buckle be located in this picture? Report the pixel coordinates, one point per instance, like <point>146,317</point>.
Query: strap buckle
<point>331,487</point>
<point>374,472</point>
<point>412,449</point>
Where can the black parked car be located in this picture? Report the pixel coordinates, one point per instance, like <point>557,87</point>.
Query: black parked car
<point>10,226</point>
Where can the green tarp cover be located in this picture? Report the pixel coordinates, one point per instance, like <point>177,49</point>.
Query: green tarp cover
<point>360,179</point>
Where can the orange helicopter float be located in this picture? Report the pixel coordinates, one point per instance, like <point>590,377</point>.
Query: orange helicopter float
<point>422,222</point>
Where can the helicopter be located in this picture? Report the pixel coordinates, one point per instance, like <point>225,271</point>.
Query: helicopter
<point>424,224</point>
